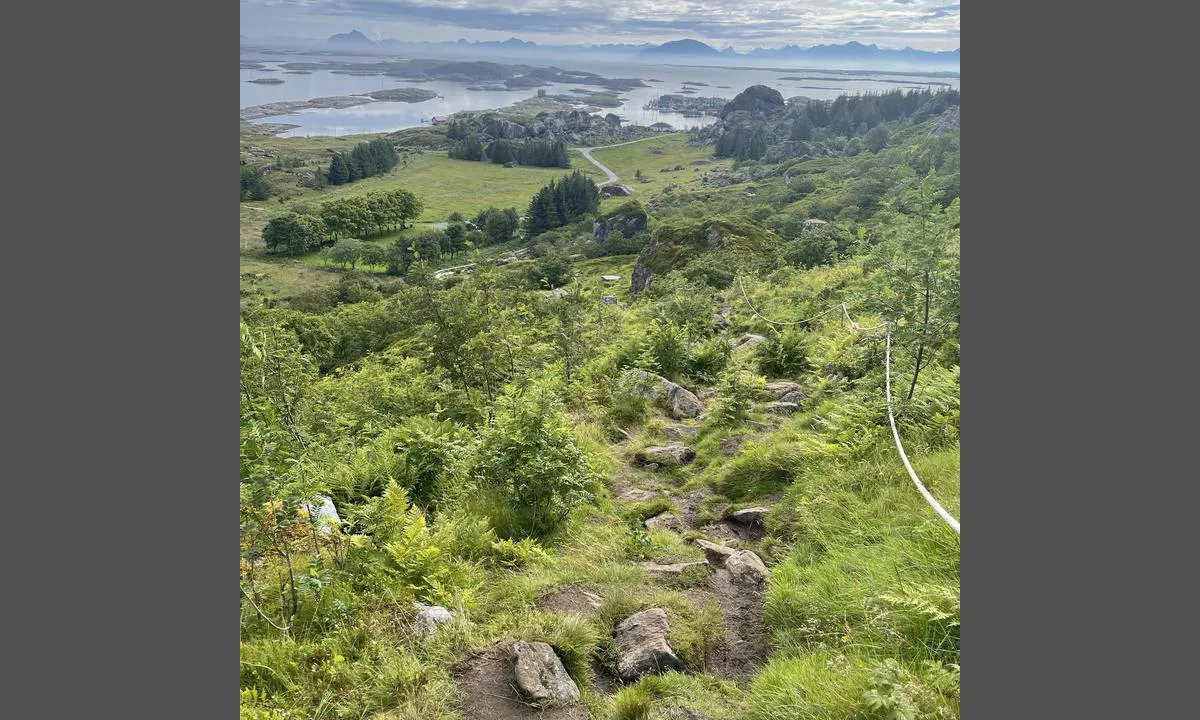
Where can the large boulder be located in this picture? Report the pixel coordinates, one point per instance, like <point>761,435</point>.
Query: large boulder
<point>616,190</point>
<point>746,568</point>
<point>641,643</point>
<point>680,401</point>
<point>641,277</point>
<point>673,454</point>
<point>796,396</point>
<point>782,408</point>
<point>540,675</point>
<point>748,341</point>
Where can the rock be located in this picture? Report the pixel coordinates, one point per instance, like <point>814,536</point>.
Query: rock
<point>678,167</point>
<point>612,119</point>
<point>609,299</point>
<point>795,396</point>
<point>627,223</point>
<point>746,568</point>
<point>429,617</point>
<point>948,121</point>
<point>676,569</point>
<point>681,402</point>
<point>664,521</point>
<point>652,467</point>
<point>325,515</point>
<point>779,388</point>
<point>673,454</point>
<point>782,408</point>
<point>641,277</point>
<point>721,318</point>
<point>570,601</point>
<point>610,278</point>
<point>716,554</point>
<point>510,164</point>
<point>503,261</point>
<point>748,341</point>
<point>812,224</point>
<point>681,432</point>
<point>557,293</point>
<point>731,445</point>
<point>749,516</point>
<point>540,675</point>
<point>641,643</point>
<point>615,190</point>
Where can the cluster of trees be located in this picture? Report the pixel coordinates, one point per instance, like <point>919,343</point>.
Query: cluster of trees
<point>562,202</point>
<point>305,230</point>
<point>254,187</point>
<point>535,153</point>
<point>856,115</point>
<point>365,160</point>
<point>742,143</point>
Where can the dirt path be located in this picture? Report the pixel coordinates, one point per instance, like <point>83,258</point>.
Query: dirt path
<point>612,176</point>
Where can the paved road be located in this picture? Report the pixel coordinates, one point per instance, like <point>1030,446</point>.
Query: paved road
<point>612,176</point>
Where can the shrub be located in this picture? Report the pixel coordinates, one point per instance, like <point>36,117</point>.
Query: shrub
<point>736,396</point>
<point>784,354</point>
<point>528,467</point>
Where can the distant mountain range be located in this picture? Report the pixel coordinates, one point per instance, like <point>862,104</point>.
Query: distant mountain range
<point>687,51</point>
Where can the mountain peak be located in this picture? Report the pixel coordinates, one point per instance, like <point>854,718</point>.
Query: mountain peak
<point>354,37</point>
<point>687,46</point>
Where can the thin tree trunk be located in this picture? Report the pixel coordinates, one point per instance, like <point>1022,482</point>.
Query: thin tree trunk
<point>921,346</point>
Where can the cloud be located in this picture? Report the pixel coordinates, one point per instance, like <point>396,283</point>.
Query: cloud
<point>887,22</point>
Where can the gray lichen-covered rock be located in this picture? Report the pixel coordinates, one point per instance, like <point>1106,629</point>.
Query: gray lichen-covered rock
<point>641,643</point>
<point>749,516</point>
<point>673,454</point>
<point>628,220</point>
<point>746,568</point>
<point>664,521</point>
<point>681,432</point>
<point>796,396</point>
<point>680,401</point>
<point>782,408</point>
<point>429,617</point>
<point>641,277</point>
<point>779,388</point>
<point>540,675</point>
<point>609,299</point>
<point>748,341</point>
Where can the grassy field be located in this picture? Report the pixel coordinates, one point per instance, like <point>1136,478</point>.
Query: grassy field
<point>651,156</point>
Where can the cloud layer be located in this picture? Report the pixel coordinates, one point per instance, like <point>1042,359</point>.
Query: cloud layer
<point>923,24</point>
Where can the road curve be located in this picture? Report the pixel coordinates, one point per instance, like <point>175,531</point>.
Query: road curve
<point>612,176</point>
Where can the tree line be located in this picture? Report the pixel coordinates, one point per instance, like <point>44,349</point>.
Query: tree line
<point>254,187</point>
<point>302,231</point>
<point>561,202</point>
<point>533,153</point>
<point>364,160</point>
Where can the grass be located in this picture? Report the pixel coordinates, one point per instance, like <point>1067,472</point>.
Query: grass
<point>651,156</point>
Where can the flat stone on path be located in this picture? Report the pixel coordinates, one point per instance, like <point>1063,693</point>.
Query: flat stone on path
<point>749,516</point>
<point>637,494</point>
<point>674,454</point>
<point>716,554</point>
<point>674,569</point>
<point>779,388</point>
<point>641,642</point>
<point>540,675</point>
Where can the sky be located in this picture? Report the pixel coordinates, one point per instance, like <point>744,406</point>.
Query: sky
<point>742,24</point>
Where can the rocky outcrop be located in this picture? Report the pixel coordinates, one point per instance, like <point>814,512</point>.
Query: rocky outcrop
<point>664,521</point>
<point>680,401</point>
<point>641,644</point>
<point>746,568</point>
<point>948,121</point>
<point>812,224</point>
<point>429,617</point>
<point>541,677</point>
<point>673,454</point>
<point>629,219</point>
<point>616,190</point>
<point>641,277</point>
<point>796,396</point>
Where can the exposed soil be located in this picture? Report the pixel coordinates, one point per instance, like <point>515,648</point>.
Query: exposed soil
<point>573,600</point>
<point>486,680</point>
